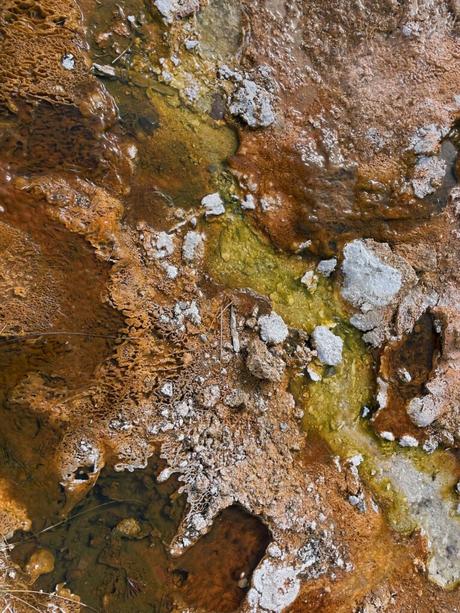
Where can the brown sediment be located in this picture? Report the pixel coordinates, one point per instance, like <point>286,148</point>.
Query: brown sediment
<point>340,148</point>
<point>115,571</point>
<point>56,330</point>
<point>217,570</point>
<point>407,366</point>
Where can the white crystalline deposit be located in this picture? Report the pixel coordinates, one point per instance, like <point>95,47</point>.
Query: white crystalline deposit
<point>368,282</point>
<point>428,175</point>
<point>272,328</point>
<point>213,204</point>
<point>192,245</point>
<point>328,346</point>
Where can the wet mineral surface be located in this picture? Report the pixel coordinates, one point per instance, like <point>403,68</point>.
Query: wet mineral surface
<point>230,319</point>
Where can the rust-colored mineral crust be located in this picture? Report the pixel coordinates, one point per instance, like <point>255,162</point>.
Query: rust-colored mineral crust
<point>229,336</point>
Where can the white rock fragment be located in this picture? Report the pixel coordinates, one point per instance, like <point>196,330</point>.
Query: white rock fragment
<point>213,204</point>
<point>167,389</point>
<point>326,267</point>
<point>170,9</point>
<point>387,436</point>
<point>192,246</point>
<point>273,587</point>
<point>428,175</point>
<point>68,61</point>
<point>356,460</point>
<point>430,445</point>
<point>423,411</point>
<point>408,441</point>
<point>191,44</point>
<point>272,328</point>
<point>198,522</point>
<point>170,270</point>
<point>404,375</point>
<point>310,280</point>
<point>313,374</point>
<point>328,346</point>
<point>187,310</point>
<point>274,551</point>
<point>382,392</point>
<point>249,203</point>
<point>164,245</point>
<point>164,475</point>
<point>427,138</point>
<point>368,282</point>
<point>210,396</point>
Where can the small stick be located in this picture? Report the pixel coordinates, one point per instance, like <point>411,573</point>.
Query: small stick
<point>64,521</point>
<point>222,328</point>
<point>13,337</point>
<point>234,331</point>
<point>121,54</point>
<point>78,602</point>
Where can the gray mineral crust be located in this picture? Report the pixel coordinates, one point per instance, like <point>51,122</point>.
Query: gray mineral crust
<point>368,282</point>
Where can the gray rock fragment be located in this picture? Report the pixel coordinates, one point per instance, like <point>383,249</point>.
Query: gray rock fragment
<point>213,204</point>
<point>428,175</point>
<point>263,364</point>
<point>172,9</point>
<point>273,587</point>
<point>423,411</point>
<point>68,61</point>
<point>427,138</point>
<point>326,267</point>
<point>192,245</point>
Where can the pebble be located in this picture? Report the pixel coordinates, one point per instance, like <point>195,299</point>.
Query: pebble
<point>310,280</point>
<point>408,441</point>
<point>326,267</point>
<point>387,436</point>
<point>40,563</point>
<point>68,61</point>
<point>328,346</point>
<point>272,328</point>
<point>167,389</point>
<point>213,204</point>
<point>129,527</point>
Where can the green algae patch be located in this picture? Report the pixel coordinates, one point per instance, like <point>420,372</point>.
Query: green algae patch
<point>188,150</point>
<point>239,256</point>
